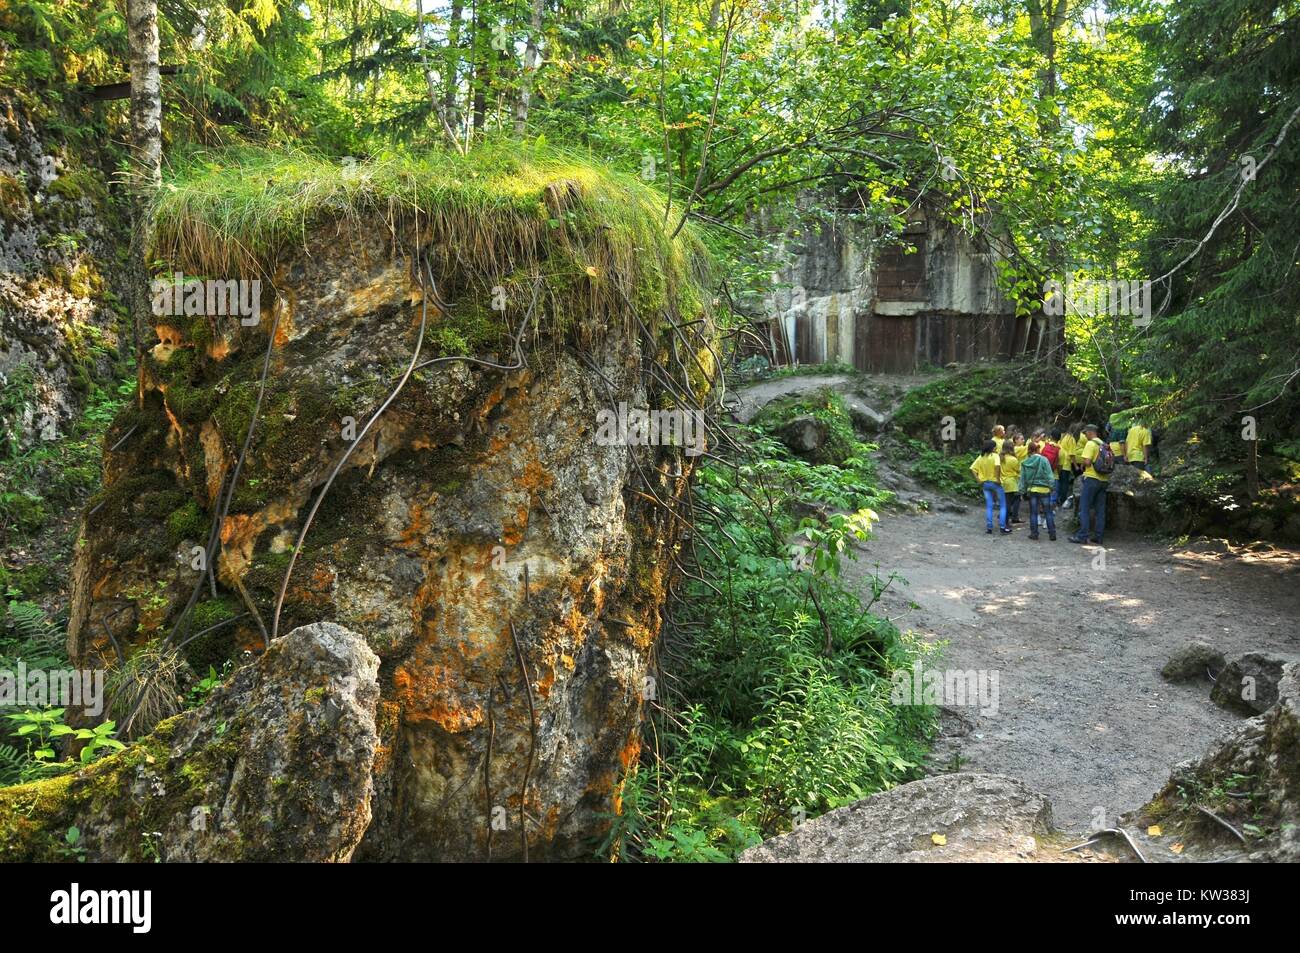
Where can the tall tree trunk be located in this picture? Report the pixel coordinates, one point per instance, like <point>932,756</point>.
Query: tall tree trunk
<point>530,67</point>
<point>435,98</point>
<point>146,149</point>
<point>1046,18</point>
<point>480,43</point>
<point>451,65</point>
<point>146,95</point>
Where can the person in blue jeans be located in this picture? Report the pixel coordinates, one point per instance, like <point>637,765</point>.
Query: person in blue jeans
<point>1036,482</point>
<point>987,469</point>
<point>1092,494</point>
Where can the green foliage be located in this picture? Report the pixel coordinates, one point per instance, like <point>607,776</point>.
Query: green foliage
<point>29,738</point>
<point>947,472</point>
<point>1228,345</point>
<point>31,637</point>
<point>778,701</point>
<point>52,475</point>
<point>40,729</point>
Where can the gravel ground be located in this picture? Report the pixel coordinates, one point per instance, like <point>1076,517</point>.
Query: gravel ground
<point>1083,714</point>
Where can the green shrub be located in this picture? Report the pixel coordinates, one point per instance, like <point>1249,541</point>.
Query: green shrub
<point>777,705</point>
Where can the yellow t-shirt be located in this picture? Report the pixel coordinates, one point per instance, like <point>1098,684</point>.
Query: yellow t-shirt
<point>985,468</point>
<point>1010,473</point>
<point>1022,451</point>
<point>1069,452</point>
<point>1090,451</point>
<point>998,442</point>
<point>1139,438</point>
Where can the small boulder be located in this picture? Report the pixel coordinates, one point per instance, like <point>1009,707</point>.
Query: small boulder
<point>1194,660</point>
<point>865,417</point>
<point>1261,757</point>
<point>276,765</point>
<point>1249,684</point>
<point>1132,499</point>
<point>945,818</point>
<point>803,435</point>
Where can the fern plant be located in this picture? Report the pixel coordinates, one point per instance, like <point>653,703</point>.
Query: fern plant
<point>14,765</point>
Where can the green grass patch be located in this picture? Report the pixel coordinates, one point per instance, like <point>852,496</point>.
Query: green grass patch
<point>597,239</point>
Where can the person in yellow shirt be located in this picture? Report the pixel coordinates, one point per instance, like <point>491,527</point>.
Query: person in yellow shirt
<point>987,469</point>
<point>1011,481</point>
<point>1137,445</point>
<point>1019,446</point>
<point>1092,498</point>
<point>1069,454</point>
<point>999,435</point>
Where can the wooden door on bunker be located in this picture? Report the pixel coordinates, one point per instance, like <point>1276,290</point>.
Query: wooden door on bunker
<point>885,344</point>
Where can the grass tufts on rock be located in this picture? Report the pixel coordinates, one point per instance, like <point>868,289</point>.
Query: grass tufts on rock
<point>598,240</point>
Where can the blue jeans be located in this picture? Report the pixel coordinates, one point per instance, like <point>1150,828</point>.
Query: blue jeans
<point>1064,486</point>
<point>1138,464</point>
<point>993,491</point>
<point>1092,501</point>
<point>1041,501</point>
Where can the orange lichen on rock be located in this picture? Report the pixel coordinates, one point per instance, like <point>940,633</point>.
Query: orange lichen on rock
<point>214,460</point>
<point>282,318</point>
<point>431,692</point>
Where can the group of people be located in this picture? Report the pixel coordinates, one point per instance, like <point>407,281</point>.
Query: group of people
<point>1053,467</point>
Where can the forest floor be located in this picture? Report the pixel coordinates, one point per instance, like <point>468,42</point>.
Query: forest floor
<point>1077,642</point>
<point>1083,714</point>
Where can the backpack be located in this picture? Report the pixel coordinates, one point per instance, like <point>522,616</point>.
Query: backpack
<point>1052,452</point>
<point>1104,463</point>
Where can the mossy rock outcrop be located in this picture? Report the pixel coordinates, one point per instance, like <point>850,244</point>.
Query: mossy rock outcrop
<point>274,766</point>
<point>1028,395</point>
<point>1248,782</point>
<point>507,567</point>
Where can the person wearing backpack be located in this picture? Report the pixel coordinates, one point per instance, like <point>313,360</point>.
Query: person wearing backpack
<point>1051,449</point>
<point>1036,481</point>
<point>1099,463</point>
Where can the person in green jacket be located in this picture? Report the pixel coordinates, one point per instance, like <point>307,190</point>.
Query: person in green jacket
<point>1036,481</point>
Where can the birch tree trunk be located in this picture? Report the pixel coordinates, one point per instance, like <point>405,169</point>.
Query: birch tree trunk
<point>530,68</point>
<point>146,94</point>
<point>146,149</point>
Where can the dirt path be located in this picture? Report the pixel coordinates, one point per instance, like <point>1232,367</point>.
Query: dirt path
<point>1083,714</point>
